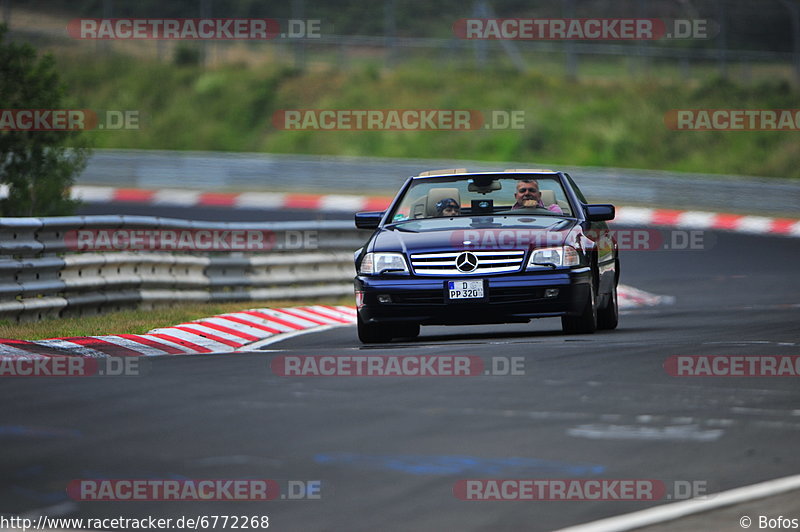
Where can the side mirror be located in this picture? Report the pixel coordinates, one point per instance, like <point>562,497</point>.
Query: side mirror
<point>369,220</point>
<point>600,212</point>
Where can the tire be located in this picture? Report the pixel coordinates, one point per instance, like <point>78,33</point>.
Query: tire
<point>608,316</point>
<point>586,322</point>
<point>373,333</point>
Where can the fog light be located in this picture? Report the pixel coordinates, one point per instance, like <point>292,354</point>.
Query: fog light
<point>384,298</point>
<point>551,292</point>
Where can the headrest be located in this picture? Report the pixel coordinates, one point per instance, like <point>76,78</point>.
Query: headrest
<point>548,197</point>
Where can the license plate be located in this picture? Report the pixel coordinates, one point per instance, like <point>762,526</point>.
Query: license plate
<point>465,289</point>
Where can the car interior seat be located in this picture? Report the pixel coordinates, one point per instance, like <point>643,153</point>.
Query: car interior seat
<point>549,197</point>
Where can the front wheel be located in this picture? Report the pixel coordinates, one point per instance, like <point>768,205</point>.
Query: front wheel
<point>373,333</point>
<point>608,316</point>
<point>586,322</point>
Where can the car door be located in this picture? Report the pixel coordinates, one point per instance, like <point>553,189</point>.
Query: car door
<point>605,242</point>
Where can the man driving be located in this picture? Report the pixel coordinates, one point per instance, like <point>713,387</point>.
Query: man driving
<point>529,195</point>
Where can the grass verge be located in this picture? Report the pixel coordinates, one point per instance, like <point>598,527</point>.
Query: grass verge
<point>141,321</point>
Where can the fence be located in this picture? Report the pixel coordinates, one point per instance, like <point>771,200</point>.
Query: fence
<point>42,276</point>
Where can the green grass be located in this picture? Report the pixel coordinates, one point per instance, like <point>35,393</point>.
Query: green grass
<point>602,121</point>
<point>140,321</point>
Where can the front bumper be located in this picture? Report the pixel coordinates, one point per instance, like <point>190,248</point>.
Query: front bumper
<point>509,298</point>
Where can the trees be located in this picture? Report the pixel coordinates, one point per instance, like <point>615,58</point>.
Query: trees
<point>38,167</point>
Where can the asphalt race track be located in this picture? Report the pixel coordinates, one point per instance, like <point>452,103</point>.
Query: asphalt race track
<point>389,450</point>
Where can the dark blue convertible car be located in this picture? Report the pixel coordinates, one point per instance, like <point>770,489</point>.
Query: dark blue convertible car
<point>459,248</point>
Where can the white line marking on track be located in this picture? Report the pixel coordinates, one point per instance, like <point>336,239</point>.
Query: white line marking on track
<point>670,512</point>
<point>633,432</point>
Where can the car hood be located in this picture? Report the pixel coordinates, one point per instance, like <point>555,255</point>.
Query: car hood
<point>558,232</point>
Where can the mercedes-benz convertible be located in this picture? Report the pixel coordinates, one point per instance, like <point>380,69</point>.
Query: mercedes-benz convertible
<point>460,248</point>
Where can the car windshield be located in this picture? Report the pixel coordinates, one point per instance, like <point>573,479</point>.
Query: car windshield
<point>482,195</point>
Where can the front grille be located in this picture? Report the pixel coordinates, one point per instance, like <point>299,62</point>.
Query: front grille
<point>444,263</point>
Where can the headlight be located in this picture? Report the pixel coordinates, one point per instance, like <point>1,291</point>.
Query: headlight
<point>382,262</point>
<point>560,256</point>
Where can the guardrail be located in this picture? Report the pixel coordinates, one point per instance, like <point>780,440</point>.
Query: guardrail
<point>211,171</point>
<point>45,274</point>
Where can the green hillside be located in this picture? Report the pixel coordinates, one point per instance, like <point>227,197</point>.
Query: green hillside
<point>578,123</point>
